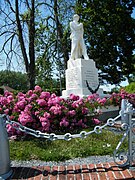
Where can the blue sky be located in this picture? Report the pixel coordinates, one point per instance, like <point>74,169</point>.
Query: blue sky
<point>105,87</point>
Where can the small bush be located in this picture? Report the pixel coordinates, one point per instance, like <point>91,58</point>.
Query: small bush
<point>130,88</point>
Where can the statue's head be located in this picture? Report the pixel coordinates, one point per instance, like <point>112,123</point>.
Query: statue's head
<point>76,17</point>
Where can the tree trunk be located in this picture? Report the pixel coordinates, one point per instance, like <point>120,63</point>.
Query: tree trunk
<point>29,64</point>
<point>20,36</point>
<point>31,46</point>
<point>60,34</point>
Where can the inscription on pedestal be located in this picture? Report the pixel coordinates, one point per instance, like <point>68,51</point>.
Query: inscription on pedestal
<point>72,79</point>
<point>91,77</point>
<point>80,75</point>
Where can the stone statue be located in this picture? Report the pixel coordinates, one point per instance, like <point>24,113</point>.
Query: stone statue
<point>78,48</point>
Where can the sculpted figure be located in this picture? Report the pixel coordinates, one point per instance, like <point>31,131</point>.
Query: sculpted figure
<point>78,47</point>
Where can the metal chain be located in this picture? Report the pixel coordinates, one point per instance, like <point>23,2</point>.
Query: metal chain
<point>67,136</point>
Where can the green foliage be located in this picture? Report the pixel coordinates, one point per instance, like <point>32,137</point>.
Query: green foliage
<point>94,144</point>
<point>110,35</point>
<point>130,88</point>
<point>15,80</point>
<point>44,72</point>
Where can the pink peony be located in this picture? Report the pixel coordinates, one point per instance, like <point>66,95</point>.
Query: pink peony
<point>64,122</point>
<point>41,102</point>
<point>85,110</point>
<point>37,89</point>
<point>47,115</point>
<point>71,113</point>
<point>45,95</point>
<point>3,101</point>
<point>24,118</point>
<point>96,121</point>
<point>6,111</point>
<point>29,93</point>
<point>56,109</point>
<point>102,101</point>
<point>21,104</point>
<point>74,97</point>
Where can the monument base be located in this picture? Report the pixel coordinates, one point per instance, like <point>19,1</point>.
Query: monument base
<point>81,76</point>
<point>82,92</point>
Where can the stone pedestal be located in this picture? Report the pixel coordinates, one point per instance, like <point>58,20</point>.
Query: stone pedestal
<point>80,72</point>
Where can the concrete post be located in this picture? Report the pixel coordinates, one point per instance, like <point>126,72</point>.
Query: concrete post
<point>5,170</point>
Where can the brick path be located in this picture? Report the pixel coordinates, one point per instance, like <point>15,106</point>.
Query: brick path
<point>105,171</point>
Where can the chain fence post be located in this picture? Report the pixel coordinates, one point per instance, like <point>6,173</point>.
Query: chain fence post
<point>5,169</point>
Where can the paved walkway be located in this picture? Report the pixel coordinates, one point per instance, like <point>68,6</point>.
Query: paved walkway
<point>105,171</point>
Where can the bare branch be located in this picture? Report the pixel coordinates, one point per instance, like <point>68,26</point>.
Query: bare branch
<point>43,3</point>
<point>10,6</point>
<point>28,4</point>
<point>3,47</point>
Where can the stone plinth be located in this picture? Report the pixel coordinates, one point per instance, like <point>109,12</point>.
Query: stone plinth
<point>78,72</point>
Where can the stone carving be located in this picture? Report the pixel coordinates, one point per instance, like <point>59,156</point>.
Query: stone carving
<point>93,91</point>
<point>78,48</point>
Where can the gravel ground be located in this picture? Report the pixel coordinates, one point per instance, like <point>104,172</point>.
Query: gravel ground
<point>80,161</point>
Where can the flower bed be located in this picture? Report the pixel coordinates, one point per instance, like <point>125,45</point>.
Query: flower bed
<point>49,113</point>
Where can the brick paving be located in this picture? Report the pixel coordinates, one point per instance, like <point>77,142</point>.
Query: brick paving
<point>102,171</point>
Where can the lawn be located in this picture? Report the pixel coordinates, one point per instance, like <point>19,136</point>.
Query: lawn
<point>40,149</point>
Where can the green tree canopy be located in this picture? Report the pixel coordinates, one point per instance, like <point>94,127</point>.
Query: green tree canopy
<point>110,35</point>
<point>15,80</point>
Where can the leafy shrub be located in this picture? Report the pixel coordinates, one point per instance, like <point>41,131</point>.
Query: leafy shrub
<point>130,88</point>
<point>47,112</point>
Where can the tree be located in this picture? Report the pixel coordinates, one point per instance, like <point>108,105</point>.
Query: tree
<point>15,80</point>
<point>55,36</point>
<point>110,36</point>
<point>44,72</point>
<point>31,31</point>
<point>14,28</point>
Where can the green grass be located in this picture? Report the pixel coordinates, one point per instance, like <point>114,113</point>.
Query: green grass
<point>60,150</point>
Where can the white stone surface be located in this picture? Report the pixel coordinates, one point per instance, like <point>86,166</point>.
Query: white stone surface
<point>78,48</point>
<point>79,71</point>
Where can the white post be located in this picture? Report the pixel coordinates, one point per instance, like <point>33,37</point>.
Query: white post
<point>5,170</point>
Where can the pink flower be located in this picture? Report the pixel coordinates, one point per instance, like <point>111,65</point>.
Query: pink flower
<point>10,129</point>
<point>74,97</point>
<point>6,111</point>
<point>75,104</point>
<point>41,102</point>
<point>80,122</point>
<point>29,93</point>
<point>45,95</point>
<point>102,101</point>
<point>46,126</point>
<point>96,121</point>
<point>37,89</point>
<point>43,119</point>
<point>3,101</point>
<point>12,117</point>
<point>24,118</point>
<point>64,122</point>
<point>21,104</point>
<point>47,115</point>
<point>56,109</point>
<point>37,113</point>
<point>28,108</point>
<point>85,110</point>
<point>71,113</point>
<point>10,98</point>
<point>32,97</point>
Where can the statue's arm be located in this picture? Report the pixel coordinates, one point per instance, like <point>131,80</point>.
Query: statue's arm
<point>75,27</point>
